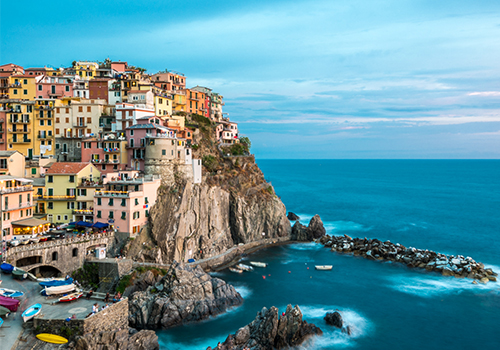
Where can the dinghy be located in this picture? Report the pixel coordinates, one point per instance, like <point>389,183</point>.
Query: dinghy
<point>323,267</point>
<point>4,311</point>
<point>31,312</point>
<point>9,303</point>
<point>48,279</point>
<point>235,270</point>
<point>14,242</point>
<point>70,297</point>
<point>244,267</point>
<point>258,264</point>
<point>6,268</point>
<point>55,283</point>
<point>10,293</point>
<point>52,338</point>
<point>19,274</point>
<point>59,289</point>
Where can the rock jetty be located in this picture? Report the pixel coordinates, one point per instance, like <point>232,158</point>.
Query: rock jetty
<point>269,330</point>
<point>448,265</point>
<point>314,231</point>
<point>185,294</point>
<point>126,339</point>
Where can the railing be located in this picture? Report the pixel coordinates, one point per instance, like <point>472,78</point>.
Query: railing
<point>121,194</point>
<point>106,161</point>
<point>20,141</point>
<point>138,180</point>
<point>20,130</point>
<point>16,189</point>
<point>43,137</point>
<point>20,121</point>
<point>43,107</point>
<point>16,85</point>
<point>53,198</point>
<point>83,211</point>
<point>20,206</point>
<point>111,150</point>
<point>89,183</point>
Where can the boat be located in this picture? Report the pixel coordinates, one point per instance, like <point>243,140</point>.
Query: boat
<point>235,270</point>
<point>47,279</point>
<point>323,267</point>
<point>4,311</point>
<point>1,322</point>
<point>14,242</point>
<point>258,264</point>
<point>244,267</point>
<point>26,241</point>
<point>52,338</point>
<point>19,274</point>
<point>31,312</point>
<point>57,282</point>
<point>10,293</point>
<point>6,268</point>
<point>70,297</point>
<point>59,289</point>
<point>35,239</point>
<point>9,303</point>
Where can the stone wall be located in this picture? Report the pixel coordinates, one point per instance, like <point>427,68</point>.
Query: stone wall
<point>113,318</point>
<point>168,170</point>
<point>110,272</point>
<point>73,154</point>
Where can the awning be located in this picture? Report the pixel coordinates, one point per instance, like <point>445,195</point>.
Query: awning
<point>84,224</point>
<point>30,222</point>
<point>100,225</point>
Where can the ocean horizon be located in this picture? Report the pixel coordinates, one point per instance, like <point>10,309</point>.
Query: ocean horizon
<point>447,206</point>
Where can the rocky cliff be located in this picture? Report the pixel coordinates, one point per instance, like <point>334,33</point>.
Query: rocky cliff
<point>233,204</point>
<point>269,330</point>
<point>183,295</point>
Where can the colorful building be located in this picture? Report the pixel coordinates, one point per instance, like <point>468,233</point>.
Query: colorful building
<point>227,131</point>
<point>169,80</point>
<point>53,87</point>
<point>127,114</point>
<point>12,163</point>
<point>196,101</point>
<point>69,192</point>
<point>108,154</point>
<point>78,118</point>
<point>125,201</point>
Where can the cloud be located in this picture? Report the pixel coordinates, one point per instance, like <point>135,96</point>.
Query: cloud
<point>485,93</point>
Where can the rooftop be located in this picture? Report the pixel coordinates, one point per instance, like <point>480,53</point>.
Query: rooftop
<point>66,168</point>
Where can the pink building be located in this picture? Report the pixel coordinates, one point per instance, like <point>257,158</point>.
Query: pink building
<point>227,131</point>
<point>136,138</point>
<point>125,201</point>
<point>53,87</point>
<point>108,154</point>
<point>16,204</point>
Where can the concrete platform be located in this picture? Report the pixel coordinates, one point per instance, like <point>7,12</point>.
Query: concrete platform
<point>51,309</point>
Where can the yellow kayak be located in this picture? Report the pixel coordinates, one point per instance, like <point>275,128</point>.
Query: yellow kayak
<point>52,338</point>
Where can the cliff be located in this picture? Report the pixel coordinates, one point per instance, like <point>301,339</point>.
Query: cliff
<point>233,204</point>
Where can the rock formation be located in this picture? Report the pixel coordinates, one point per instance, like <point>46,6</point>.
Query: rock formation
<point>292,216</point>
<point>313,231</point>
<point>123,339</point>
<point>183,295</point>
<point>334,319</point>
<point>270,331</point>
<point>448,265</point>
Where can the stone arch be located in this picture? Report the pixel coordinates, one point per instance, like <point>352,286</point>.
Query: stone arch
<point>30,260</point>
<point>45,271</point>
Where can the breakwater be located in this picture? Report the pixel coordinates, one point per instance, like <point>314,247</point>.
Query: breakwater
<point>374,249</point>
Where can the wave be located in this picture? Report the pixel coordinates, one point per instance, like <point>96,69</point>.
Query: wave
<point>427,287</point>
<point>333,337</point>
<point>334,227</point>
<point>243,290</point>
<point>306,246</point>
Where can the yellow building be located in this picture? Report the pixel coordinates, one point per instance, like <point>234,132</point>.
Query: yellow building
<point>69,192</point>
<point>22,86</point>
<point>44,141</point>
<point>86,70</point>
<point>179,101</point>
<point>163,102</point>
<point>20,126</point>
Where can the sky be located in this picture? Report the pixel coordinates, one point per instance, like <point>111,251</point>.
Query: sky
<point>324,79</point>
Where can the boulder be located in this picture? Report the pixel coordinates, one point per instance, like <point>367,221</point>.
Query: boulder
<point>292,217</point>
<point>315,229</point>
<point>299,233</point>
<point>269,330</point>
<point>334,319</point>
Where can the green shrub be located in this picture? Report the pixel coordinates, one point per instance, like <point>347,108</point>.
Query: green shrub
<point>270,189</point>
<point>125,282</point>
<point>210,163</point>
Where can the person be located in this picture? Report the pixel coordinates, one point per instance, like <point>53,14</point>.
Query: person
<point>117,297</point>
<point>89,294</point>
<point>106,298</point>
<point>94,309</point>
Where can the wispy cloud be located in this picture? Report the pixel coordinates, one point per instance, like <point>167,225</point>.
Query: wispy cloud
<point>485,93</point>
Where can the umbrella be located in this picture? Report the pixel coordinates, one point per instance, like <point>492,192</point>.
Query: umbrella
<point>100,225</point>
<point>83,223</point>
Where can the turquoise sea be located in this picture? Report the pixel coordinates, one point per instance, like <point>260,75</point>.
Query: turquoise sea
<point>450,206</point>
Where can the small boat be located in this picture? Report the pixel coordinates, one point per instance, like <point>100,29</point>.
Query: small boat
<point>4,311</point>
<point>31,312</point>
<point>10,293</point>
<point>258,264</point>
<point>52,338</point>
<point>70,297</point>
<point>14,242</point>
<point>235,270</point>
<point>57,282</point>
<point>26,241</point>
<point>323,267</point>
<point>35,239</point>
<point>9,303</point>
<point>244,267</point>
<point>1,322</point>
<point>59,289</point>
<point>19,274</point>
<point>6,268</point>
<point>48,279</point>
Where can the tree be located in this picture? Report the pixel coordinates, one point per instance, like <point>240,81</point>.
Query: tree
<point>246,141</point>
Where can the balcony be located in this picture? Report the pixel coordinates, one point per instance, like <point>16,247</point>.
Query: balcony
<point>133,181</point>
<point>90,183</point>
<point>105,161</point>
<point>23,131</point>
<point>20,121</point>
<point>19,141</point>
<point>119,194</point>
<point>73,136</point>
<point>111,150</point>
<point>24,205</point>
<point>16,189</point>
<point>80,125</point>
<point>83,211</point>
<point>16,85</point>
<point>53,198</point>
<point>45,137</point>
<point>49,107</point>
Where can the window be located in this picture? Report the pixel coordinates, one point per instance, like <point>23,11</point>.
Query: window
<point>33,171</point>
<point>67,120</point>
<point>51,192</point>
<point>75,252</point>
<point>99,201</point>
<point>110,215</point>
<point>72,178</point>
<point>124,215</point>
<point>124,202</point>
<point>67,87</point>
<point>111,202</point>
<point>163,152</point>
<point>88,109</point>
<point>147,213</point>
<point>50,205</point>
<point>54,254</point>
<point>40,88</point>
<point>78,145</point>
<point>82,192</point>
<point>42,122</point>
<point>146,200</point>
<point>89,120</point>
<point>80,109</point>
<point>136,201</point>
<point>99,214</point>
<point>131,132</point>
<point>50,178</point>
<point>25,92</point>
<point>65,217</point>
<point>58,217</point>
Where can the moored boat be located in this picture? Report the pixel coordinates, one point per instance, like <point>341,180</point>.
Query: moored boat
<point>14,242</point>
<point>26,241</point>
<point>52,338</point>
<point>70,297</point>
<point>47,279</point>
<point>35,239</point>
<point>1,322</point>
<point>244,267</point>
<point>4,311</point>
<point>31,312</point>
<point>59,289</point>
<point>9,303</point>
<point>10,293</point>
<point>235,270</point>
<point>258,264</point>
<point>19,274</point>
<point>57,282</point>
<point>323,267</point>
<point>6,268</point>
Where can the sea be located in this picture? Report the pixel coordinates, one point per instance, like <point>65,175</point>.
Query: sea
<point>449,206</point>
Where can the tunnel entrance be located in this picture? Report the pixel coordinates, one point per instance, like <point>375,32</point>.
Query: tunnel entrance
<point>46,271</point>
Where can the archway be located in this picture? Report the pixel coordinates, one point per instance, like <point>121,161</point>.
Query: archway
<point>30,260</point>
<point>46,271</point>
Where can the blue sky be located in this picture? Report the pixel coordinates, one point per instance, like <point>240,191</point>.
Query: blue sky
<point>304,79</point>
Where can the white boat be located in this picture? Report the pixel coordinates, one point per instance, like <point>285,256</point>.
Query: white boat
<point>14,242</point>
<point>10,293</point>
<point>244,267</point>
<point>235,270</point>
<point>70,297</point>
<point>31,312</point>
<point>258,264</point>
<point>323,267</point>
<point>48,279</point>
<point>60,289</point>
<point>35,239</point>
<point>26,241</point>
